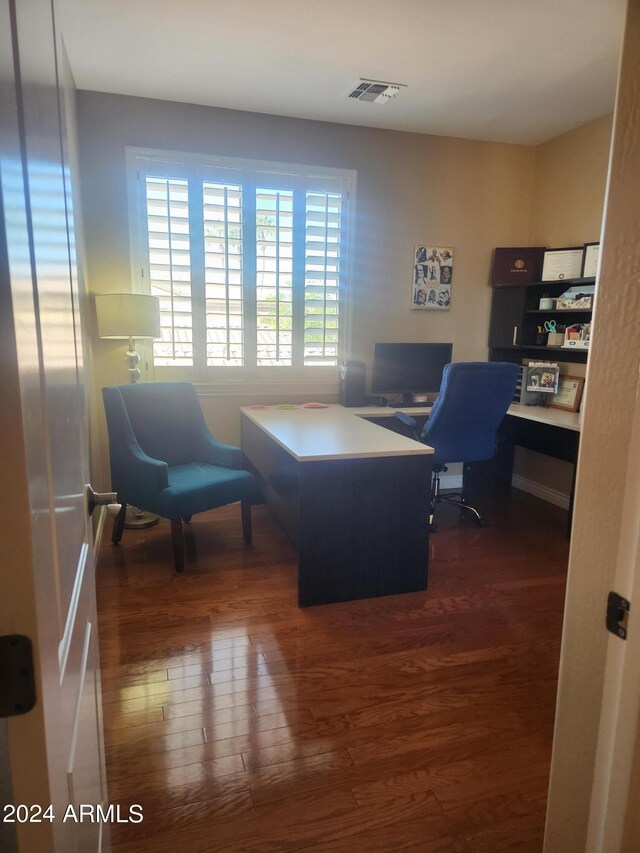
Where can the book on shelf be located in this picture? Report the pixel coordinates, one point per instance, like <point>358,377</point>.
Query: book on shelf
<point>515,266</point>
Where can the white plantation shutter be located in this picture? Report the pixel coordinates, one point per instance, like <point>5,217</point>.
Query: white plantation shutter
<point>248,263</point>
<point>167,204</point>
<point>274,277</point>
<point>322,270</point>
<point>223,237</point>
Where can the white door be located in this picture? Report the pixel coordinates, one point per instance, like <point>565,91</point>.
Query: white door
<point>595,769</point>
<point>614,820</point>
<point>47,589</point>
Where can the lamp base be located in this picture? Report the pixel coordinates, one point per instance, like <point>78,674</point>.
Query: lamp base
<point>132,360</point>
<point>137,519</point>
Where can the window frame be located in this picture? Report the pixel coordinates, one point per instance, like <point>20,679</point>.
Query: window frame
<point>250,174</point>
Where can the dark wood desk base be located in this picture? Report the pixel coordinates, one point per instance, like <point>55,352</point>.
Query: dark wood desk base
<point>360,524</point>
<point>544,438</point>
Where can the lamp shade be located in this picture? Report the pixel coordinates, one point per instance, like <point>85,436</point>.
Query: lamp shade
<point>128,315</point>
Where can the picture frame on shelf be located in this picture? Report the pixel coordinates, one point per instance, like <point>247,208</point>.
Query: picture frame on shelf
<point>542,377</point>
<point>562,264</point>
<point>590,260</point>
<point>569,394</point>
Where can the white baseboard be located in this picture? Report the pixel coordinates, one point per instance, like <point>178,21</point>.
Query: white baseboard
<point>544,492</point>
<point>451,481</point>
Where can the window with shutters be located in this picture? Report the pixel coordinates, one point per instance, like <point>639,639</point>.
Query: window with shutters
<point>248,259</point>
<point>167,223</point>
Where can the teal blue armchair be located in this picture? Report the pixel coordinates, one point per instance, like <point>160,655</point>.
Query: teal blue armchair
<point>165,460</point>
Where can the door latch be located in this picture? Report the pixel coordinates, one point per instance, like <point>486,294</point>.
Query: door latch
<point>17,680</point>
<point>617,615</point>
<point>108,499</point>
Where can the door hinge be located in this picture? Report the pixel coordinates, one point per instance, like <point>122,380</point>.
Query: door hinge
<point>617,615</point>
<point>17,679</point>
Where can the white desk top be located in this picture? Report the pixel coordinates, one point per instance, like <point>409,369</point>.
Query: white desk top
<point>334,433</point>
<point>338,433</point>
<point>553,417</point>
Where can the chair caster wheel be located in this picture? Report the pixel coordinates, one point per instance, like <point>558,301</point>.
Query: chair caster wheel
<point>433,528</point>
<point>482,522</point>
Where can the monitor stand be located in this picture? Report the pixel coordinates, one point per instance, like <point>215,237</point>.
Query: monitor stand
<point>408,403</point>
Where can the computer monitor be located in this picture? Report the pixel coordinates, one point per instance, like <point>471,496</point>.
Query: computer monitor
<point>408,369</point>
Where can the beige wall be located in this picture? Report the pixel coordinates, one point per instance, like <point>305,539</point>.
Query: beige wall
<point>568,200</point>
<point>410,188</point>
<point>570,181</point>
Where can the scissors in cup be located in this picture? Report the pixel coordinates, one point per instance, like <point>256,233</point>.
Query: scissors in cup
<point>550,326</point>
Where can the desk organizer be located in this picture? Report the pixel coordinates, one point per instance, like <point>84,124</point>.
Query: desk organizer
<point>575,345</point>
<point>573,304</point>
<point>555,339</point>
<point>578,297</point>
<point>577,336</point>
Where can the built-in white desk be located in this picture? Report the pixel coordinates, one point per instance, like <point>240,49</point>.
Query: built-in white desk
<point>353,496</point>
<point>553,432</point>
<point>551,417</point>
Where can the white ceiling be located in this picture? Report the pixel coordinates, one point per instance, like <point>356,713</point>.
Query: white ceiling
<point>508,70</point>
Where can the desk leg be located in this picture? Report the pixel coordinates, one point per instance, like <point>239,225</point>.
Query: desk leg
<point>505,454</point>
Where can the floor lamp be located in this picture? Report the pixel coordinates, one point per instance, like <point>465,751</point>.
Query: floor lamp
<point>127,316</point>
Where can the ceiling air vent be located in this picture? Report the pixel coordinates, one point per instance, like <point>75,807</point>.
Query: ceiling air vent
<point>375,91</point>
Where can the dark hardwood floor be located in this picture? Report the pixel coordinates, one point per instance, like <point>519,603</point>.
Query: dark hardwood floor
<point>418,722</point>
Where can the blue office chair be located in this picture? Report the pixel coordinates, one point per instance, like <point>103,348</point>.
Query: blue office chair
<point>164,459</point>
<point>473,400</point>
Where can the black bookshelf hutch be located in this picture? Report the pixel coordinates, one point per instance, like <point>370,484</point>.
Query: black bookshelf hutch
<point>515,316</point>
